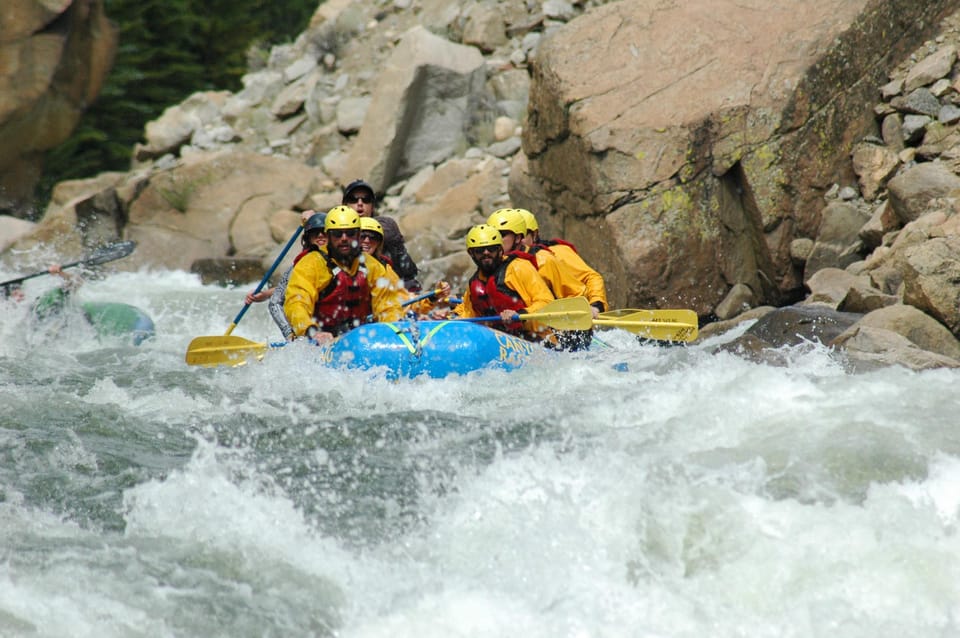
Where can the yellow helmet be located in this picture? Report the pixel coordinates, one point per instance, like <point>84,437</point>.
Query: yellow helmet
<point>341,218</point>
<point>508,219</point>
<point>529,219</point>
<point>369,223</point>
<point>483,235</point>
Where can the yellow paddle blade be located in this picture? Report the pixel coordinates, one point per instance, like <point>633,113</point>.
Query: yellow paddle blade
<point>572,313</point>
<point>661,325</point>
<point>666,314</point>
<point>226,350</point>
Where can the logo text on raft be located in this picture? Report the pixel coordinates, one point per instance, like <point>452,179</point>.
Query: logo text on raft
<point>513,348</point>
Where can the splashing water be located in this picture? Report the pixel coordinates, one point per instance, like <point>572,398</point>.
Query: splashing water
<point>634,490</point>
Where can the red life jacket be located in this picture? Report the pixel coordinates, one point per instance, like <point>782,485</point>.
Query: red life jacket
<point>345,303</point>
<point>492,296</point>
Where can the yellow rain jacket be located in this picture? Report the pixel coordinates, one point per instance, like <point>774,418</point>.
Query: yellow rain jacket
<point>573,267</point>
<point>311,276</point>
<point>521,277</point>
<point>559,278</point>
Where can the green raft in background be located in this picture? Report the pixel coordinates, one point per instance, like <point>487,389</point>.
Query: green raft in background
<point>108,318</point>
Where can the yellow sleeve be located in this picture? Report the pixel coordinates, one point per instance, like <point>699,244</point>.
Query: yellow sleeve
<point>562,282</point>
<point>393,277</point>
<point>385,291</point>
<point>465,307</point>
<point>309,276</point>
<point>522,276</point>
<point>574,263</point>
<point>422,307</point>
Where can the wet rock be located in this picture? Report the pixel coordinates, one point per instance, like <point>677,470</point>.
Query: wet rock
<point>791,326</point>
<point>919,328</point>
<point>739,300</point>
<point>867,348</point>
<point>227,271</point>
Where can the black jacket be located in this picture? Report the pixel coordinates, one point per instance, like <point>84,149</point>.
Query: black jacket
<point>396,250</point>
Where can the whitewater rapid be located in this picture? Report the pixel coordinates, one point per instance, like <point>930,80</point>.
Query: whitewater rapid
<point>634,490</point>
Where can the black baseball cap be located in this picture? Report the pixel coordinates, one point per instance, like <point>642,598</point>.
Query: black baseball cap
<point>357,184</point>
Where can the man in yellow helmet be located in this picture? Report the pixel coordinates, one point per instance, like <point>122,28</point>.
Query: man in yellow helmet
<point>561,279</point>
<point>335,291</point>
<point>573,264</point>
<point>505,285</point>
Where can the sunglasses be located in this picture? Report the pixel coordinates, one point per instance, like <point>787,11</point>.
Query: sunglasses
<point>337,234</point>
<point>484,249</point>
<point>366,234</point>
<point>353,199</point>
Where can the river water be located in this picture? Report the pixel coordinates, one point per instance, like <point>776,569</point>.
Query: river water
<point>634,490</point>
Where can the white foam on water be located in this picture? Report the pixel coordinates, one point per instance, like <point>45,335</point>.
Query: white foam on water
<point>640,491</point>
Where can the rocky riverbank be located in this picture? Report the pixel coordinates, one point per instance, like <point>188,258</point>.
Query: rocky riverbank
<point>691,169</point>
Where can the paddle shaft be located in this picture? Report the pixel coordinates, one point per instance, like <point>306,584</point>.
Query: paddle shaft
<point>100,256</point>
<point>411,301</point>
<point>569,313</point>
<point>266,278</point>
<point>425,295</point>
<point>533,316</point>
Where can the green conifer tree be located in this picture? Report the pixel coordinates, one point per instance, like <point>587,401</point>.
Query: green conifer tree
<point>168,49</point>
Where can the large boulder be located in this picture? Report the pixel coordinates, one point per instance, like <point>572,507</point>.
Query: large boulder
<point>919,328</point>
<point>214,205</point>
<point>912,190</point>
<point>682,157</point>
<point>217,204</point>
<point>422,109</point>
<point>930,275</point>
<point>901,335</point>
<point>789,326</point>
<point>54,58</point>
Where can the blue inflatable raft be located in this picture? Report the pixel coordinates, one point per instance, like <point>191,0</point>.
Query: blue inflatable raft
<point>427,348</point>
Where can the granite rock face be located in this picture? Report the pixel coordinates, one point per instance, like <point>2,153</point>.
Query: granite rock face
<point>54,58</point>
<point>683,146</point>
